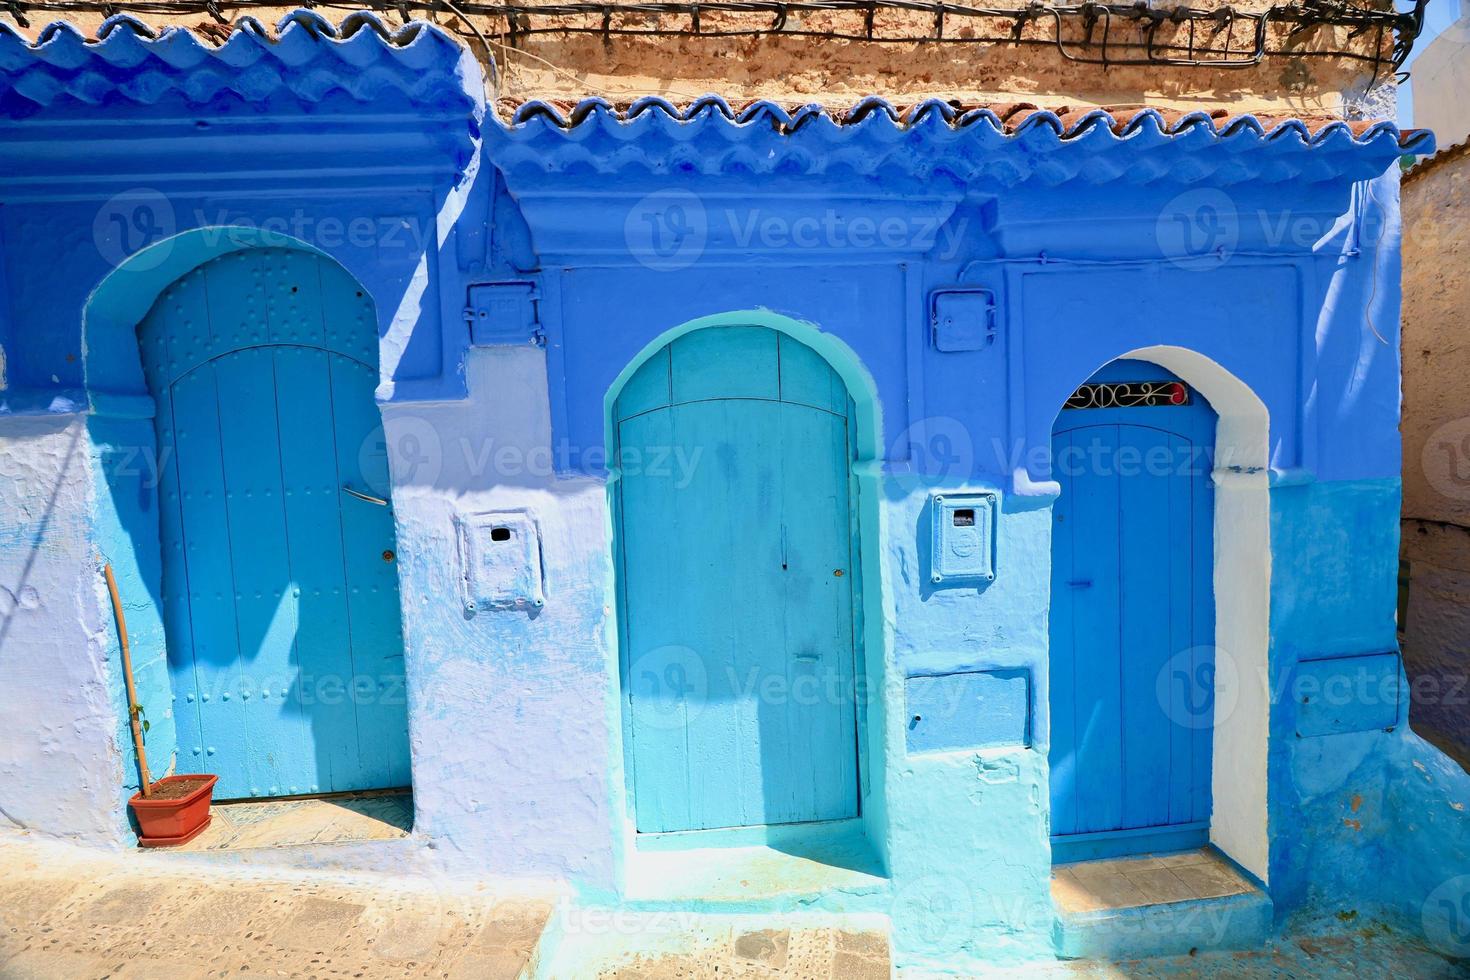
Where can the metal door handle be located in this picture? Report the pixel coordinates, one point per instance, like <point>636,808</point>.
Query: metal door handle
<point>363,496</point>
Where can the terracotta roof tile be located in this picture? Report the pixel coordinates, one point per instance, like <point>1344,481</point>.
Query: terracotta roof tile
<point>1009,118</point>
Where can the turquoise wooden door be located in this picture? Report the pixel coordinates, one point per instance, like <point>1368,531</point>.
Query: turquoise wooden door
<point>280,588</point>
<point>1132,617</point>
<point>736,571</point>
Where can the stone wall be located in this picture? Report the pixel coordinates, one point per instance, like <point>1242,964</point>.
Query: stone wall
<point>1306,81</point>
<point>1436,429</point>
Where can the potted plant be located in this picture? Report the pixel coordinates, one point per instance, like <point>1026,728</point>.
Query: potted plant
<point>175,809</point>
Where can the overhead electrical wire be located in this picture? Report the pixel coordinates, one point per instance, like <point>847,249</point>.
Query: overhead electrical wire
<point>1097,33</point>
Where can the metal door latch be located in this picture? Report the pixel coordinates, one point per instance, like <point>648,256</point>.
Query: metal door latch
<point>364,496</point>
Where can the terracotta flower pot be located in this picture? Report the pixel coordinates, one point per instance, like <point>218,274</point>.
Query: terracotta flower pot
<point>176,812</point>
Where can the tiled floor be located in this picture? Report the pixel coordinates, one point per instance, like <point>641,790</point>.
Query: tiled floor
<point>281,823</point>
<point>1093,886</point>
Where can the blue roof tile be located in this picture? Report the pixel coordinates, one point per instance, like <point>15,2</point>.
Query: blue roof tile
<point>1002,144</point>
<point>306,59</point>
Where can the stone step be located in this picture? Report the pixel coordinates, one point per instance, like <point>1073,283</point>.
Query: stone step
<point>1157,905</point>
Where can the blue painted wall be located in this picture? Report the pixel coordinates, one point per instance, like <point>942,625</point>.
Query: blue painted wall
<point>514,712</point>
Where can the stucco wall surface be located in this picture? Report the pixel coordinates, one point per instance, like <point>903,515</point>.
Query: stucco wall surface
<point>507,708</point>
<point>1436,427</point>
<point>1441,72</point>
<point>60,768</point>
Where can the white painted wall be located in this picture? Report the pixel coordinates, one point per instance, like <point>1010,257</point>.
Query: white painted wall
<point>1439,79</point>
<point>60,767</point>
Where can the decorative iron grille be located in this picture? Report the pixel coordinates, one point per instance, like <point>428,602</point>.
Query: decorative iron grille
<point>1129,394</point>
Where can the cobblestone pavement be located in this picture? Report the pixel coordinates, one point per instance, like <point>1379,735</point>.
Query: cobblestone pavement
<point>68,913</point>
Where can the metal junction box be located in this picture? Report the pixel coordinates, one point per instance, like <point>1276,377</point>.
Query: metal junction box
<point>500,560</point>
<point>962,319</point>
<point>503,314</point>
<point>963,548</point>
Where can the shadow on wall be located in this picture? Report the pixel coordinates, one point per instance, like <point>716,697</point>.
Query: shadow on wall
<point>32,537</point>
<point>51,636</point>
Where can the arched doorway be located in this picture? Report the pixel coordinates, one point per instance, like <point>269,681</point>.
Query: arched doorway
<point>737,560</point>
<point>280,593</point>
<point>1133,616</point>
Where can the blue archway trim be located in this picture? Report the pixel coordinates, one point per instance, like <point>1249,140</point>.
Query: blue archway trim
<point>113,367</point>
<point>861,387</point>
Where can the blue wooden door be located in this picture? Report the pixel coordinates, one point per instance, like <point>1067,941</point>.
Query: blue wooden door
<point>280,588</point>
<point>1132,617</point>
<point>737,561</point>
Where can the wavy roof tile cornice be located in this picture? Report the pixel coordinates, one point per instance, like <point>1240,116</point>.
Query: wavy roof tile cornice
<point>305,60</point>
<point>1005,143</point>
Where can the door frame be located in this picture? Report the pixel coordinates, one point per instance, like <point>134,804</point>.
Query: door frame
<point>867,587</point>
<point>1242,593</point>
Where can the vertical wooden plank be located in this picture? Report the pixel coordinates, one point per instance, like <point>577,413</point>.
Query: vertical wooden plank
<point>811,767</point>
<point>855,598</point>
<point>369,555</point>
<point>1062,757</point>
<point>322,695</point>
<point>1151,544</point>
<point>206,568</point>
<point>178,627</point>
<point>266,613</point>
<point>1201,602</point>
<point>348,316</point>
<point>294,298</point>
<point>733,511</point>
<point>1095,608</point>
<point>666,677</point>
<point>237,288</point>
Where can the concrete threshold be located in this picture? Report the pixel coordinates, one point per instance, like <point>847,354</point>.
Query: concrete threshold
<point>1157,905</point>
